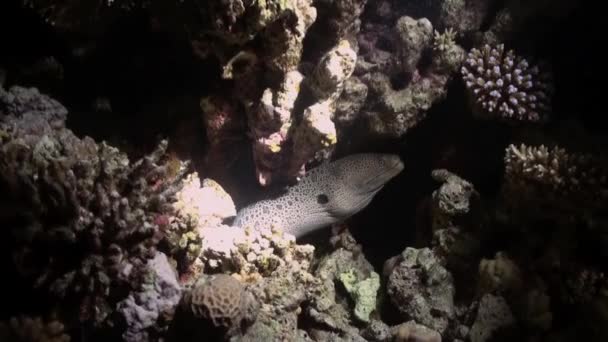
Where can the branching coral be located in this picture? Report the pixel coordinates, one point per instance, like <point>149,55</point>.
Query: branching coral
<point>85,219</point>
<point>505,86</point>
<point>443,41</point>
<point>560,179</point>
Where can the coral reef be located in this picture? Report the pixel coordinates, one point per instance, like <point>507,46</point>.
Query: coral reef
<point>505,86</point>
<point>110,236</point>
<point>85,220</point>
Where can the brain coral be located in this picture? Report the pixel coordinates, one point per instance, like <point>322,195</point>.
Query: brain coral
<point>221,300</point>
<point>506,86</point>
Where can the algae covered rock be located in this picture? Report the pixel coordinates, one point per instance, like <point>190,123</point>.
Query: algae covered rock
<point>363,293</point>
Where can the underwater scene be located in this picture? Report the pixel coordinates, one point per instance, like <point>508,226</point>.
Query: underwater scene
<point>303,170</point>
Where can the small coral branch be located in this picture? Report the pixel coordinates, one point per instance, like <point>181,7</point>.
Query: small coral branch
<point>505,86</point>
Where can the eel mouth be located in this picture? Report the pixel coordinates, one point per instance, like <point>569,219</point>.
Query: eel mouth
<point>393,166</point>
<point>394,162</point>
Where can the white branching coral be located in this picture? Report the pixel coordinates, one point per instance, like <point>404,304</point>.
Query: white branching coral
<point>444,41</point>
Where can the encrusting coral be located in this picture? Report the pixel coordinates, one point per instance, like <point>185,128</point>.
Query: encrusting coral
<point>503,85</point>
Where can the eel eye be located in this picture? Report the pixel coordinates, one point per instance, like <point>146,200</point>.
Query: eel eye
<point>322,199</point>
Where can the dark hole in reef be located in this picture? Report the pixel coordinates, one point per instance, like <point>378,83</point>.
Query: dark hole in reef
<point>424,64</point>
<point>239,67</point>
<point>385,44</point>
<point>322,199</point>
<point>400,80</point>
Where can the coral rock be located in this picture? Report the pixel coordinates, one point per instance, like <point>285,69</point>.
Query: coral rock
<point>413,332</point>
<point>147,310</point>
<point>414,36</point>
<point>493,314</point>
<point>422,289</point>
<point>500,274</point>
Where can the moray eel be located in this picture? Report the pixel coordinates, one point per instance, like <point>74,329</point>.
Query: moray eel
<point>327,194</point>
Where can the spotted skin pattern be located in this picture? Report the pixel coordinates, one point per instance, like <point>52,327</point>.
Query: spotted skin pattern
<point>327,194</point>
